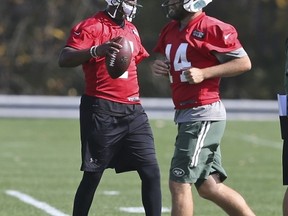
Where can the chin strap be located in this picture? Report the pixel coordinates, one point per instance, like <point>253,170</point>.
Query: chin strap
<point>113,15</point>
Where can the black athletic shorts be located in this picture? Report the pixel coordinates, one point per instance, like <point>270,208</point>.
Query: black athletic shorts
<point>114,135</point>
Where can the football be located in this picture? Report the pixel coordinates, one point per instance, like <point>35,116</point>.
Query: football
<point>118,63</point>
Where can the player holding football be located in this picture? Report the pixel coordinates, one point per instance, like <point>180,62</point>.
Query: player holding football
<point>196,52</point>
<point>115,132</point>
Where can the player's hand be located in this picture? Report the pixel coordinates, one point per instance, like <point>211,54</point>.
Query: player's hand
<point>160,67</point>
<point>109,47</point>
<point>194,75</point>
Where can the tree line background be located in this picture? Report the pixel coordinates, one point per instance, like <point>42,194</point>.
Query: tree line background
<point>32,33</point>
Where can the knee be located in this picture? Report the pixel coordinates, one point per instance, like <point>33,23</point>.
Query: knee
<point>210,187</point>
<point>173,188</point>
<point>208,191</point>
<point>150,173</point>
<point>204,192</point>
<point>91,177</point>
<point>179,189</point>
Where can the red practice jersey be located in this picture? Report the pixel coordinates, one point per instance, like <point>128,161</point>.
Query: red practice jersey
<point>95,31</point>
<point>193,47</point>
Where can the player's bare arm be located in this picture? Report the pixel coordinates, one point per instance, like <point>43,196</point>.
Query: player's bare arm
<point>71,57</point>
<point>160,68</point>
<point>231,68</point>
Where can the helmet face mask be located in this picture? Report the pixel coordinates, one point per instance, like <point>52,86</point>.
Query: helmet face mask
<point>129,10</point>
<point>191,6</point>
<point>126,7</point>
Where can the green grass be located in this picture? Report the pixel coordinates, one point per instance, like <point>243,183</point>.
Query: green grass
<point>41,157</point>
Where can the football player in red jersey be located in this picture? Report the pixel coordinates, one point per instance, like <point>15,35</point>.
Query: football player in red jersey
<point>115,132</point>
<point>195,52</point>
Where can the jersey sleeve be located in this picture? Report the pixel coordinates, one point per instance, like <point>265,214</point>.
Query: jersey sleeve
<point>81,36</point>
<point>222,37</point>
<point>160,45</point>
<point>142,53</point>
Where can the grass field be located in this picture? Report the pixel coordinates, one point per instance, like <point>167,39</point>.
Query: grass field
<point>41,158</point>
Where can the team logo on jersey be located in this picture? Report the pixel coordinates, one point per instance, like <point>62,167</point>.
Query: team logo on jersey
<point>134,99</point>
<point>135,32</point>
<point>178,172</point>
<point>227,36</point>
<point>76,33</point>
<point>198,34</point>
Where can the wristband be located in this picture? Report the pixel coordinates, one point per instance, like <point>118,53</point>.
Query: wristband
<point>93,52</point>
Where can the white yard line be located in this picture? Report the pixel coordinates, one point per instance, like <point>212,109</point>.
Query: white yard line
<point>36,203</point>
<point>256,140</point>
<point>140,209</point>
<point>54,212</point>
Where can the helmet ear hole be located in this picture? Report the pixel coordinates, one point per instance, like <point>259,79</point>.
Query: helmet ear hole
<point>194,6</point>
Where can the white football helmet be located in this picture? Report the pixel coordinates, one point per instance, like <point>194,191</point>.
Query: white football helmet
<point>191,6</point>
<point>195,5</point>
<point>128,8</point>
